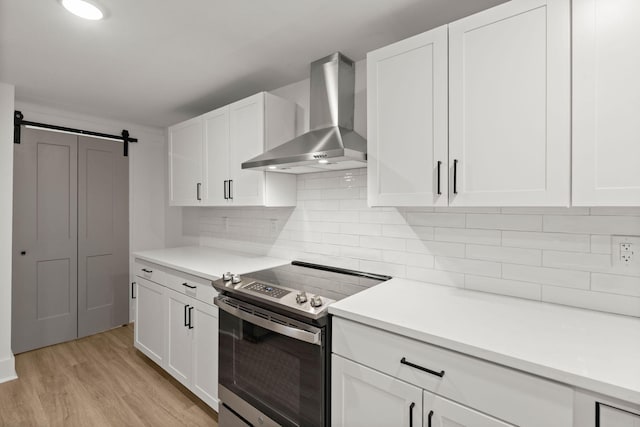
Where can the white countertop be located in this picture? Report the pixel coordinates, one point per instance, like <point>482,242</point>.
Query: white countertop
<point>590,350</point>
<point>209,263</point>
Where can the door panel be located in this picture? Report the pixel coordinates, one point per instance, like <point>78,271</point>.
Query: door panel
<point>510,105</point>
<point>440,412</point>
<point>185,162</point>
<point>246,141</point>
<point>216,146</point>
<point>362,397</point>
<point>44,228</point>
<point>103,236</point>
<point>150,329</point>
<point>179,346</point>
<point>407,108</point>
<point>205,353</point>
<point>606,105</point>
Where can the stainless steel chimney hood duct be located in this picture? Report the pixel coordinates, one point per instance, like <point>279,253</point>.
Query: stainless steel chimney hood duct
<point>331,144</point>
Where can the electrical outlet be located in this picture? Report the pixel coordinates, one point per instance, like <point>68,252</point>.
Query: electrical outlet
<point>624,249</point>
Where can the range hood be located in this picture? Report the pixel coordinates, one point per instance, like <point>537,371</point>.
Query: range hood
<point>331,144</point>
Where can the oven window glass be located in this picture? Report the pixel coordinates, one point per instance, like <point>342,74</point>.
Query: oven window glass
<point>278,375</point>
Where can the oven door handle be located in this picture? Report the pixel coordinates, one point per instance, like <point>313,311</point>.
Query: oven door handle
<point>291,332</point>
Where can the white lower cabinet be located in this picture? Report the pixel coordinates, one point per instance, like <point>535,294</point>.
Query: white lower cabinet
<point>387,369</point>
<point>205,353</point>
<point>179,337</point>
<point>440,412</point>
<point>362,397</point>
<point>150,313</point>
<point>177,327</point>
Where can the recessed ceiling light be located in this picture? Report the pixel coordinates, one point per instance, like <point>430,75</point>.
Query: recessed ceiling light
<point>323,161</point>
<point>83,9</point>
<point>273,167</point>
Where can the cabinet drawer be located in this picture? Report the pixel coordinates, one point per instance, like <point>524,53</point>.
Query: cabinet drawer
<point>510,395</point>
<point>178,281</point>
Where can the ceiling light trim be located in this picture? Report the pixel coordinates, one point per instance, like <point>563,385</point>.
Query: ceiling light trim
<point>85,9</point>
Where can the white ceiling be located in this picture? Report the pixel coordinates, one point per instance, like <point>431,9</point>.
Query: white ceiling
<point>157,62</point>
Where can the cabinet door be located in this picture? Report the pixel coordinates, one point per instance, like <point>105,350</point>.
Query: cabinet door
<point>509,105</point>
<point>246,141</point>
<point>606,103</point>
<point>205,353</point>
<point>609,416</point>
<point>362,397</point>
<point>185,162</point>
<point>179,338</point>
<point>408,119</point>
<point>216,156</point>
<point>150,316</point>
<point>440,412</point>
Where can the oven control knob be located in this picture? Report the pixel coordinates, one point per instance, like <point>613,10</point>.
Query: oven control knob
<point>235,279</point>
<point>227,276</point>
<point>301,297</point>
<point>316,301</point>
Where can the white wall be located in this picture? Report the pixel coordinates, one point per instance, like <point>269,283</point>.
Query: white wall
<point>147,171</point>
<point>547,254</point>
<point>7,365</point>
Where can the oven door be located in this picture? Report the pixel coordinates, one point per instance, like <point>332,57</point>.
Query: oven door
<point>275,364</point>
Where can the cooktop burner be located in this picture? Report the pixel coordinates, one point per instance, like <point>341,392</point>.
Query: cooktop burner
<point>302,288</point>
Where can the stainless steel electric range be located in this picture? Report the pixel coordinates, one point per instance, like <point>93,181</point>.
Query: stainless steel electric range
<point>274,343</point>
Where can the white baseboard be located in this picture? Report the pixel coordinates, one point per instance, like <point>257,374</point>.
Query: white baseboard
<point>8,369</point>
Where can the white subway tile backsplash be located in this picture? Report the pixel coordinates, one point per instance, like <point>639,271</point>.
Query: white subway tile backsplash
<point>600,301</point>
<point>622,285</point>
<point>467,235</point>
<point>593,224</point>
<point>561,255</point>
<point>436,219</point>
<point>504,287</point>
<point>407,231</point>
<point>361,229</point>
<point>601,244</point>
<point>438,277</point>
<point>502,254</point>
<point>436,248</point>
<point>505,222</point>
<point>547,276</point>
<point>389,243</point>
<point>554,241</point>
<point>468,266</point>
<point>409,259</point>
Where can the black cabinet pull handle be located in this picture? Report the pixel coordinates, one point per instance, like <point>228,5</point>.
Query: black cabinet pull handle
<point>146,270</point>
<point>429,418</point>
<point>429,371</point>
<point>455,176</point>
<point>23,253</point>
<point>198,186</point>
<point>224,186</point>
<point>231,189</point>
<point>186,322</point>
<point>189,286</point>
<point>438,177</point>
<point>411,414</point>
<point>133,284</point>
<point>190,317</point>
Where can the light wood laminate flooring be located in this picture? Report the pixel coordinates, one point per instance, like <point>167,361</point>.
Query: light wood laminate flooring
<point>101,380</point>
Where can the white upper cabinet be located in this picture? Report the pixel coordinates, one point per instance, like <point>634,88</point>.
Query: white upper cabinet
<point>206,154</point>
<point>216,135</point>
<point>509,105</point>
<point>407,122</point>
<point>185,162</point>
<point>606,103</point>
